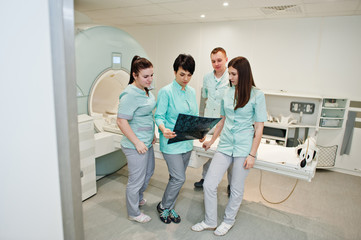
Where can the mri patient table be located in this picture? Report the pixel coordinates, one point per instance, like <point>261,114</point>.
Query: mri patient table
<point>271,158</point>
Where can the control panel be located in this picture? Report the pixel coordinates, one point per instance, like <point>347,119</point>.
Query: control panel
<point>306,108</point>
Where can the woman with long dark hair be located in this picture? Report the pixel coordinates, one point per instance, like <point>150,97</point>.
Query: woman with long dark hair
<point>136,121</point>
<point>243,113</point>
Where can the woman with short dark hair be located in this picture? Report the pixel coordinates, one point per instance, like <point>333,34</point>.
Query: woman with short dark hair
<point>173,99</point>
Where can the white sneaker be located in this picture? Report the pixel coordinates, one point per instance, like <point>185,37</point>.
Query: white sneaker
<point>142,218</point>
<point>199,227</point>
<point>222,229</point>
<point>142,202</point>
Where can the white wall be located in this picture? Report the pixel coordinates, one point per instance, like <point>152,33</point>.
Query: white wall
<point>319,56</point>
<point>313,56</point>
<point>30,203</point>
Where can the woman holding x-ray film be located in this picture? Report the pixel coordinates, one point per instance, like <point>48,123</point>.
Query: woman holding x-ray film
<point>173,99</point>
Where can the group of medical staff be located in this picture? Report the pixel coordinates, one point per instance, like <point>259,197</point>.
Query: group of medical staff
<point>231,95</point>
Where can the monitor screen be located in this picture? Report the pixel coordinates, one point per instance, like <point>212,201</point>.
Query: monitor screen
<point>116,59</point>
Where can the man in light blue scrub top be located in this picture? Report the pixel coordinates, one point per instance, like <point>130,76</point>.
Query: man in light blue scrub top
<point>135,120</point>
<point>215,82</point>
<point>243,112</point>
<point>214,85</point>
<point>173,99</point>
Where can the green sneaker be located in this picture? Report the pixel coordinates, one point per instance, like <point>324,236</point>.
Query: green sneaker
<point>165,216</point>
<point>174,216</point>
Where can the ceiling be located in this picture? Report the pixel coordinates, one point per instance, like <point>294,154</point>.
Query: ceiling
<point>156,12</point>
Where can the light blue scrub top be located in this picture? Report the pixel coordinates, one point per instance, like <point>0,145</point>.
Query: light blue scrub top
<point>237,134</point>
<point>137,107</point>
<point>172,101</point>
<point>213,89</point>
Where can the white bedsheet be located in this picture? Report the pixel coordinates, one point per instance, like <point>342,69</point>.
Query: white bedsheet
<point>278,154</point>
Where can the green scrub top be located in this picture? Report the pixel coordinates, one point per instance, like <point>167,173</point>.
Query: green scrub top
<point>213,89</point>
<point>238,131</point>
<point>136,107</point>
<point>172,101</point>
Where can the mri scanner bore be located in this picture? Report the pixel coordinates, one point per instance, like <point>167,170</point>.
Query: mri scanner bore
<point>103,58</point>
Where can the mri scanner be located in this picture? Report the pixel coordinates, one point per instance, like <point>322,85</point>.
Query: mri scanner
<point>103,58</point>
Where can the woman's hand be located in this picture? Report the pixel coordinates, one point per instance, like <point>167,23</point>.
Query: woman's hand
<point>202,140</point>
<point>249,162</point>
<point>206,145</point>
<point>167,133</point>
<point>141,148</point>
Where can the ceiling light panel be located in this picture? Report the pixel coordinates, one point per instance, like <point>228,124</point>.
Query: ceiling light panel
<point>231,3</point>
<point>193,6</point>
<point>236,3</point>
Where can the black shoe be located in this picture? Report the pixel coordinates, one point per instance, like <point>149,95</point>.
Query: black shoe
<point>165,216</point>
<point>174,216</point>
<point>199,184</point>
<point>229,190</point>
<point>159,208</point>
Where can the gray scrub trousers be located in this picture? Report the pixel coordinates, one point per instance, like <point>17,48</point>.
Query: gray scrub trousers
<point>141,169</point>
<point>218,167</point>
<point>177,165</point>
<point>206,167</point>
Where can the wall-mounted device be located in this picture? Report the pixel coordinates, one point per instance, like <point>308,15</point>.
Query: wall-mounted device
<point>306,108</point>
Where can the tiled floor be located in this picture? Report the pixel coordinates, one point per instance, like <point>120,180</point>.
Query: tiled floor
<point>327,208</point>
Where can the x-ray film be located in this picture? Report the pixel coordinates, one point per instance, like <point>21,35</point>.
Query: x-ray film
<point>189,127</point>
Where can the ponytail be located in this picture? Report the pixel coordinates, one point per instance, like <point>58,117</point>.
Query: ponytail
<point>138,63</point>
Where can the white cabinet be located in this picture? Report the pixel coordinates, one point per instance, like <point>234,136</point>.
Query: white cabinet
<point>332,113</point>
<point>325,121</point>
<point>87,155</point>
<point>302,110</point>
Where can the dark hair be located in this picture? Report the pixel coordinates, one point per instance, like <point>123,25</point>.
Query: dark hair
<point>138,63</point>
<point>219,49</point>
<point>184,61</point>
<point>245,81</point>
